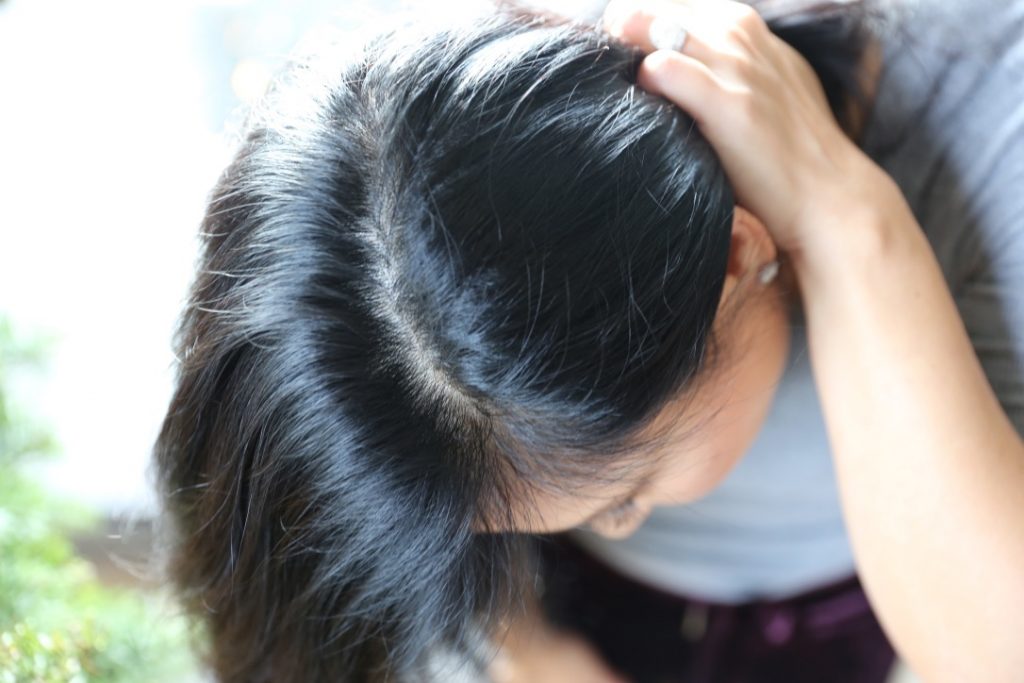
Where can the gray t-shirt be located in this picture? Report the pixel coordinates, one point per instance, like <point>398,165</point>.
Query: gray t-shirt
<point>948,126</point>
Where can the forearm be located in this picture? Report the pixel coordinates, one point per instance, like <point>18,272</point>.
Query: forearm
<point>930,470</point>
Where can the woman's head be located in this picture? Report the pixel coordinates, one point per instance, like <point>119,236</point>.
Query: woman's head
<point>471,283</point>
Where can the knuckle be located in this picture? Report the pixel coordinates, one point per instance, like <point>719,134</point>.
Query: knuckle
<point>745,67</point>
<point>739,36</point>
<point>749,18</point>
<point>742,64</point>
<point>744,104</point>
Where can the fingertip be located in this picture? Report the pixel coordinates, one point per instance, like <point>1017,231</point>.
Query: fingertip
<point>683,80</point>
<point>654,67</point>
<point>659,59</point>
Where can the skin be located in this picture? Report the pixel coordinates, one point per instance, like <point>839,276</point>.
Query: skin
<point>531,650</point>
<point>732,407</point>
<point>930,468</point>
<point>735,403</point>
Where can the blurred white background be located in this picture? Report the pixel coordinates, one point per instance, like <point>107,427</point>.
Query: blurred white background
<point>112,131</point>
<point>115,120</point>
<point>114,124</point>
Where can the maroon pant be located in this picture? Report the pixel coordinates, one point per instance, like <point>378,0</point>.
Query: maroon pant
<point>827,635</point>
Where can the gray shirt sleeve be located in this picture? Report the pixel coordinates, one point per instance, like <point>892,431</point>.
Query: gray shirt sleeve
<point>950,130</point>
<point>991,303</point>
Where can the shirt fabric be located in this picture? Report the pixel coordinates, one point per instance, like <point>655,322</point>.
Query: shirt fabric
<point>947,124</point>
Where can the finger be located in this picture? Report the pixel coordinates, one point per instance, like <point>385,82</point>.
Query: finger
<point>632,21</point>
<point>686,82</point>
<point>803,72</point>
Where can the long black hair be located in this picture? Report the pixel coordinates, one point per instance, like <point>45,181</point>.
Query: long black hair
<point>441,272</point>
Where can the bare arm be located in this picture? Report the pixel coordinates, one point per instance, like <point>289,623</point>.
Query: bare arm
<point>930,470</point>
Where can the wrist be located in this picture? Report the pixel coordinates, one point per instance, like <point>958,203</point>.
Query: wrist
<point>853,231</point>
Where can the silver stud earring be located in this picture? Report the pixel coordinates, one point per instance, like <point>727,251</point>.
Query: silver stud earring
<point>768,272</point>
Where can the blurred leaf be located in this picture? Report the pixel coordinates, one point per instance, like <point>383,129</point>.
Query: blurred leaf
<point>57,622</point>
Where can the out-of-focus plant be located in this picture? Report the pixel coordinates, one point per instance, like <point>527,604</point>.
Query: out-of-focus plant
<point>58,623</point>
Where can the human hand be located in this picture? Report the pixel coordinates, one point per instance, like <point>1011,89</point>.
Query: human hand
<point>762,107</point>
<point>549,656</point>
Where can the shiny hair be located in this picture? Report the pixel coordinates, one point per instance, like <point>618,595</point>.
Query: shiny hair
<point>454,267</point>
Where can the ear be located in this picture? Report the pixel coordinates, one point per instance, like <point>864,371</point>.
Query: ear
<point>750,248</point>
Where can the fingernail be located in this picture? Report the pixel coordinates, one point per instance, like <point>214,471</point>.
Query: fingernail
<point>666,34</point>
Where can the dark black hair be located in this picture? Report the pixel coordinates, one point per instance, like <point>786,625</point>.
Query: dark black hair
<point>440,272</point>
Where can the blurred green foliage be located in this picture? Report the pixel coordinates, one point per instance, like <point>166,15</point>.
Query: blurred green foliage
<point>58,624</point>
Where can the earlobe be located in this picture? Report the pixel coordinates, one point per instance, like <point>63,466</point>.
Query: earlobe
<point>752,252</point>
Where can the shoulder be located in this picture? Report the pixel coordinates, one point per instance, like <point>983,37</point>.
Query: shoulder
<point>948,126</point>
<point>972,26</point>
<point>948,122</point>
